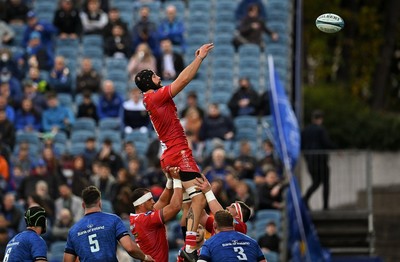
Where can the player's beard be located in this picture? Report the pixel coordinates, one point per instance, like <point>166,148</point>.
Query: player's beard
<point>158,85</point>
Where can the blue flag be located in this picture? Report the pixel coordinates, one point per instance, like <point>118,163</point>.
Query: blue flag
<point>303,240</point>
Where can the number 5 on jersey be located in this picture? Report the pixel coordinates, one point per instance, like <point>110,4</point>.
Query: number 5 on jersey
<point>94,243</point>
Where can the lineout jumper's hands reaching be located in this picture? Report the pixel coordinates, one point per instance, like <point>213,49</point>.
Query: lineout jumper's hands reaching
<point>202,52</point>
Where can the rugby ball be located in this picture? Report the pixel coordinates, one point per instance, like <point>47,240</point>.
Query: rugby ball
<point>329,23</point>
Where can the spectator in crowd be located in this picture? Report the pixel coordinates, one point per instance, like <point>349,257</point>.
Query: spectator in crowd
<point>89,152</point>
<point>60,79</point>
<point>42,192</point>
<point>219,166</point>
<point>17,11</point>
<point>7,130</point>
<point>70,201</point>
<point>251,29</point>
<point>244,194</point>
<point>114,18</point>
<point>192,123</point>
<point>8,61</point>
<point>134,172</point>
<point>315,137</point>
<point>118,44</point>
<point>6,33</point>
<point>104,181</point>
<point>264,107</point>
<point>129,152</point>
<point>88,78</point>
<point>62,225</point>
<point>110,102</point>
<point>143,58</point>
<point>245,100</point>
<point>38,82</point>
<point>231,183</point>
<point>6,93</point>
<point>51,159</point>
<point>93,19</point>
<point>268,159</point>
<point>56,118</point>
<point>87,108</point>
<point>4,173</point>
<point>243,6</point>
<point>38,172</point>
<point>30,89</point>
<point>45,29</point>
<point>170,63</point>
<point>216,125</point>
<point>37,54</point>
<point>134,114</point>
<point>104,5</point>
<point>270,192</point>
<point>14,85</point>
<point>107,155</point>
<point>192,102</point>
<point>74,174</point>
<point>27,119</point>
<point>245,164</point>
<point>23,159</point>
<point>4,238</point>
<point>122,202</point>
<point>145,31</point>
<point>67,20</point>
<point>9,110</point>
<point>269,242</point>
<point>218,188</point>
<point>172,28</point>
<point>11,213</point>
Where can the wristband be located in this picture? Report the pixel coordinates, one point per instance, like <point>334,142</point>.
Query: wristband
<point>168,185</point>
<point>145,258</point>
<point>210,196</point>
<point>202,58</point>
<point>177,183</point>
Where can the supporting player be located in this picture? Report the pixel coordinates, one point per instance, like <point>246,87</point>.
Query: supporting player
<point>159,103</point>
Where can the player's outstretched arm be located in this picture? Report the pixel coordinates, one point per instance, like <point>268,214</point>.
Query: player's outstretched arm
<point>190,71</point>
<point>172,209</point>
<point>133,250</point>
<point>203,185</point>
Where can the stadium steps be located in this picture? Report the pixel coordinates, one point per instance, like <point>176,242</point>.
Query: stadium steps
<point>343,232</point>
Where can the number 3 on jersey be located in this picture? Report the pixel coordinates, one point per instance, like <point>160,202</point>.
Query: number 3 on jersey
<point>94,244</point>
<point>240,251</point>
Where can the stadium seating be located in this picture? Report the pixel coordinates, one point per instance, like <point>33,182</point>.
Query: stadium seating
<point>77,148</point>
<point>110,123</point>
<point>84,123</point>
<point>80,136</point>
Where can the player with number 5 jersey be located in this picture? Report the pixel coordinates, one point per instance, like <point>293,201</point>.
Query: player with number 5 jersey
<point>95,236</point>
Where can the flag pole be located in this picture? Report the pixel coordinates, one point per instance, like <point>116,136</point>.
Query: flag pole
<point>285,155</point>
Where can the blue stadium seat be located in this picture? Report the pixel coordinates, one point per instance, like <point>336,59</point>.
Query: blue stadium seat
<point>225,27</point>
<point>136,136</point>
<point>80,136</point>
<point>245,134</point>
<point>65,100</point>
<point>220,97</point>
<point>121,87</point>
<point>92,41</point>
<point>223,39</point>
<point>224,61</point>
<point>227,5</point>
<point>110,123</point>
<point>84,123</point>
<point>19,33</point>
<point>225,16</point>
<point>141,148</point>
<point>222,85</point>
<point>114,136</point>
<point>60,137</point>
<point>77,148</point>
<point>172,255</point>
<point>116,63</point>
<point>67,42</point>
<point>202,6</point>
<point>263,217</point>
<point>199,29</point>
<point>224,51</point>
<point>28,137</point>
<point>246,121</point>
<point>69,52</point>
<point>60,148</point>
<point>93,52</point>
<point>97,64</point>
<point>247,50</point>
<point>117,75</point>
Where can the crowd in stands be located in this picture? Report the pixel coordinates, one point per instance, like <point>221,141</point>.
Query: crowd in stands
<point>36,81</point>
